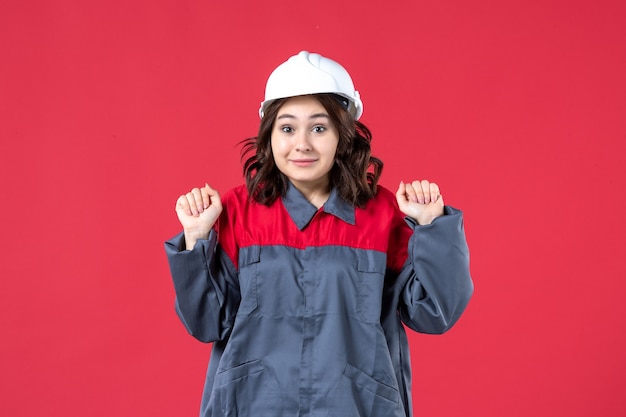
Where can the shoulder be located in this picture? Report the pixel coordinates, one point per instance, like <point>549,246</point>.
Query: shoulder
<point>382,206</point>
<point>385,194</point>
<point>384,198</point>
<point>238,200</point>
<point>236,196</point>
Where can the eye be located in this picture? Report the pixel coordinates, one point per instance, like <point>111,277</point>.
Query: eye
<point>319,129</point>
<point>286,129</point>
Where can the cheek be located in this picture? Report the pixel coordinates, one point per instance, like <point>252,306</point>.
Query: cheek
<point>281,146</point>
<point>274,146</point>
<point>278,150</point>
<point>331,149</point>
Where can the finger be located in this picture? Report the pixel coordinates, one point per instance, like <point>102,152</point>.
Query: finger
<point>411,193</point>
<point>193,201</point>
<point>401,197</point>
<point>214,196</point>
<point>425,184</point>
<point>206,198</point>
<point>401,193</point>
<point>434,192</point>
<point>183,204</point>
<point>197,193</point>
<point>417,190</point>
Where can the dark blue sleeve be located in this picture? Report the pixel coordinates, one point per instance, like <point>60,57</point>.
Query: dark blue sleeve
<point>206,285</point>
<point>436,281</point>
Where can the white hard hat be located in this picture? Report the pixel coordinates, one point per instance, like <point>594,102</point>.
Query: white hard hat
<point>308,73</point>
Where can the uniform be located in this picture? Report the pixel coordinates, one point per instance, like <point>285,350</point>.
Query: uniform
<point>305,307</point>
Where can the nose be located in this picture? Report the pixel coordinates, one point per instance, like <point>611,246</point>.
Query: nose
<point>302,142</point>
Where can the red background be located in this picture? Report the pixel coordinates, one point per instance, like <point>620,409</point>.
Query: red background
<point>111,109</point>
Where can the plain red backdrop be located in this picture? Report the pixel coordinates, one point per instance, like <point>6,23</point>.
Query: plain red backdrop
<point>111,109</point>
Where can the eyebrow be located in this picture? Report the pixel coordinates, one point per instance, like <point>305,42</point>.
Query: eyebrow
<point>313,116</point>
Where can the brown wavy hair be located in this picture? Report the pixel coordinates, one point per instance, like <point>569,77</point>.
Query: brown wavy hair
<point>355,172</point>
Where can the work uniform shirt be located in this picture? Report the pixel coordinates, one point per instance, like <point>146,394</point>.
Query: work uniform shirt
<point>305,306</point>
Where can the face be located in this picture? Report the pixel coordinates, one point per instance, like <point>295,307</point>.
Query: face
<point>304,142</point>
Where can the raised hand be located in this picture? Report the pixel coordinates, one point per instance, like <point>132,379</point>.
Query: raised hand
<point>420,200</point>
<point>197,211</point>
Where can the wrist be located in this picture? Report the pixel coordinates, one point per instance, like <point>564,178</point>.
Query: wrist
<point>192,236</point>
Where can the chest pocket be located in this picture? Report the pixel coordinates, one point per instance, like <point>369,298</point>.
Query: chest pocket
<point>248,273</point>
<point>371,268</point>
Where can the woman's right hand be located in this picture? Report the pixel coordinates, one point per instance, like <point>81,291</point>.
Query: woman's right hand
<point>197,211</point>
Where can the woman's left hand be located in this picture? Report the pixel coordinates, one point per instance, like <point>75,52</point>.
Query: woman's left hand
<point>420,200</point>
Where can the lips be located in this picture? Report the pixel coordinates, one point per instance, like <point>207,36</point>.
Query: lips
<point>303,162</point>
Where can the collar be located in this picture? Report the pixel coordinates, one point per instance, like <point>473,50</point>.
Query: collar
<point>302,211</point>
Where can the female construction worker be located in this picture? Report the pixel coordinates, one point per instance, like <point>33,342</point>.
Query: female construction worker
<point>304,277</point>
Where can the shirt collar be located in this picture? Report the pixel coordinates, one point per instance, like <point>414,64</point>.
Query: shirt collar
<point>302,211</point>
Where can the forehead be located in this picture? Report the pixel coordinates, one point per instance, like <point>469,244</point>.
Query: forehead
<point>301,106</point>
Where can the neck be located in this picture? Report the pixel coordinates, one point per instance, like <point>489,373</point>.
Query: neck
<point>316,194</point>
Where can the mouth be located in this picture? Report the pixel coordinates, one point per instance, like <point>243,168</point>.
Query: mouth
<point>303,162</point>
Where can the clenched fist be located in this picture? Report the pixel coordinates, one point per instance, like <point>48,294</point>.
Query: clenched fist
<point>420,200</point>
<point>197,211</point>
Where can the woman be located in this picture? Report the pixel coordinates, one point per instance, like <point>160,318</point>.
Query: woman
<point>303,277</point>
